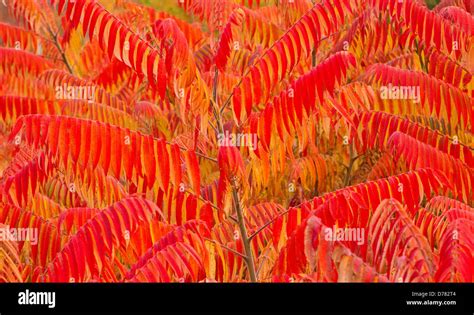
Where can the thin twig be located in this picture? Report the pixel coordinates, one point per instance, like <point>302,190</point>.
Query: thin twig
<point>225,247</point>
<point>214,105</point>
<point>59,48</point>
<point>227,102</point>
<point>347,178</point>
<point>202,199</point>
<point>233,219</point>
<point>243,233</point>
<point>197,153</point>
<point>267,224</point>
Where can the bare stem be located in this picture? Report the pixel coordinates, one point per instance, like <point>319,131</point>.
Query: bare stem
<point>225,247</point>
<point>203,200</point>
<point>267,224</point>
<point>347,179</point>
<point>59,48</point>
<point>214,106</point>
<point>243,232</point>
<point>197,153</point>
<point>229,98</point>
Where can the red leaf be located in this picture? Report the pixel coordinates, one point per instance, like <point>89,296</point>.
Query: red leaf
<point>193,170</point>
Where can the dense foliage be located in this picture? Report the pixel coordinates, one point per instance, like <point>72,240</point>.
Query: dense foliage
<point>236,140</point>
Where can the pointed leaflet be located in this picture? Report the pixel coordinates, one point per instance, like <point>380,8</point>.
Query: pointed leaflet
<point>413,151</point>
<point>193,170</point>
<point>375,128</point>
<point>288,52</point>
<point>456,252</point>
<point>116,30</point>
<point>392,236</point>
<point>304,92</point>
<point>154,156</point>
<point>224,46</point>
<point>97,239</point>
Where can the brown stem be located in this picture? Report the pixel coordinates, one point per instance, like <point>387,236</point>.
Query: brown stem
<point>229,98</point>
<point>59,48</point>
<point>313,58</point>
<point>225,247</point>
<point>249,261</point>
<point>197,153</point>
<point>353,158</point>
<point>215,108</point>
<point>267,224</point>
